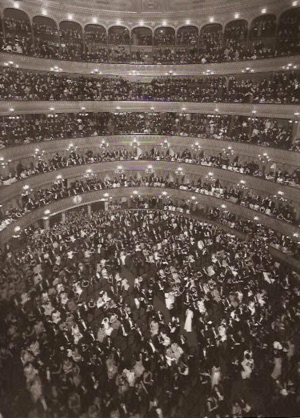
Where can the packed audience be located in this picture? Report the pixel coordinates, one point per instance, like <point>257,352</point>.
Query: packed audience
<point>267,132</point>
<point>212,45</point>
<point>74,157</point>
<point>161,317</point>
<point>281,87</point>
<point>274,206</point>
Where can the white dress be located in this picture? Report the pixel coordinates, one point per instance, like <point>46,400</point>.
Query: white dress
<point>169,300</point>
<point>188,320</point>
<point>215,376</point>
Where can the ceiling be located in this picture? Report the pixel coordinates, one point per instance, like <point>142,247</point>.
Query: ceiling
<point>156,7</point>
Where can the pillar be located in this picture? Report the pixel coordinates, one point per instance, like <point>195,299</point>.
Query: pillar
<point>46,223</point>
<point>63,217</point>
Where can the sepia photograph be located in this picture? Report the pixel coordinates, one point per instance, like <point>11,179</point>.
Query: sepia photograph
<point>149,208</point>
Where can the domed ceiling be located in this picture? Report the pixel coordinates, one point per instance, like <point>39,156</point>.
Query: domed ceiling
<point>156,7</point>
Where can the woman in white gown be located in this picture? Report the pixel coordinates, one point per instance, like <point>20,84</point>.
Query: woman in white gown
<point>188,320</point>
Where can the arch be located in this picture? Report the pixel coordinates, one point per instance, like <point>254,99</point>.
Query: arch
<point>142,35</point>
<point>18,31</point>
<point>95,34</point>
<point>236,30</point>
<point>71,40</point>
<point>164,35</point>
<point>66,26</point>
<point>187,35</point>
<point>40,24</point>
<point>288,32</point>
<point>210,38</point>
<point>211,28</point>
<point>12,13</point>
<point>118,35</point>
<point>263,26</point>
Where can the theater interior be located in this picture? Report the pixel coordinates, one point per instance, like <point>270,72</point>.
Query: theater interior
<point>149,208</point>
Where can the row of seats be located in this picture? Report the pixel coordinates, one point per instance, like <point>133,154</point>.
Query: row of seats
<point>274,206</point>
<point>265,38</point>
<point>274,88</point>
<point>34,128</point>
<point>226,160</point>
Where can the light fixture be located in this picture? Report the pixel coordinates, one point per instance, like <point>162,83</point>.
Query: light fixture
<point>106,195</point>
<point>164,23</point>
<point>236,15</point>
<point>256,218</point>
<point>223,206</point>
<point>211,19</point>
<point>254,111</point>
<point>44,12</point>
<point>83,108</point>
<point>70,16</point>
<point>149,169</point>
<point>16,5</point>
<point>47,211</point>
<point>118,22</point>
<point>59,177</point>
<point>188,22</point>
<point>263,11</point>
<point>17,229</point>
<point>164,193</point>
<point>193,198</point>
<point>165,144</point>
<point>295,3</point>
<point>11,109</point>
<point>26,187</point>
<point>264,158</point>
<point>141,22</point>
<point>119,170</point>
<point>135,143</point>
<point>179,171</point>
<point>103,144</point>
<point>196,146</point>
<point>135,192</point>
<point>51,109</point>
<point>95,20</point>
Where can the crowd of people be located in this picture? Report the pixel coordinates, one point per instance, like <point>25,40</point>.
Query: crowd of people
<point>212,45</point>
<point>274,206</point>
<point>274,88</point>
<point>267,132</point>
<point>162,317</point>
<point>224,160</point>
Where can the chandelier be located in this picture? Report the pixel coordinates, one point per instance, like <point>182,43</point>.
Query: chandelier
<point>103,144</point>
<point>149,169</point>
<point>196,146</point>
<point>179,171</point>
<point>165,144</point>
<point>119,170</point>
<point>135,143</point>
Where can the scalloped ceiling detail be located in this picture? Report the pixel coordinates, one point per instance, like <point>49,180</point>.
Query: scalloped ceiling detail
<point>156,6</point>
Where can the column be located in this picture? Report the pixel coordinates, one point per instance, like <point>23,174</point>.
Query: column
<point>89,210</point>
<point>63,217</point>
<point>46,223</point>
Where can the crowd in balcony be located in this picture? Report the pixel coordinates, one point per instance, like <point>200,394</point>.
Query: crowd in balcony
<point>163,316</point>
<point>25,129</point>
<point>236,42</point>
<point>75,157</point>
<point>277,88</point>
<point>275,206</point>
